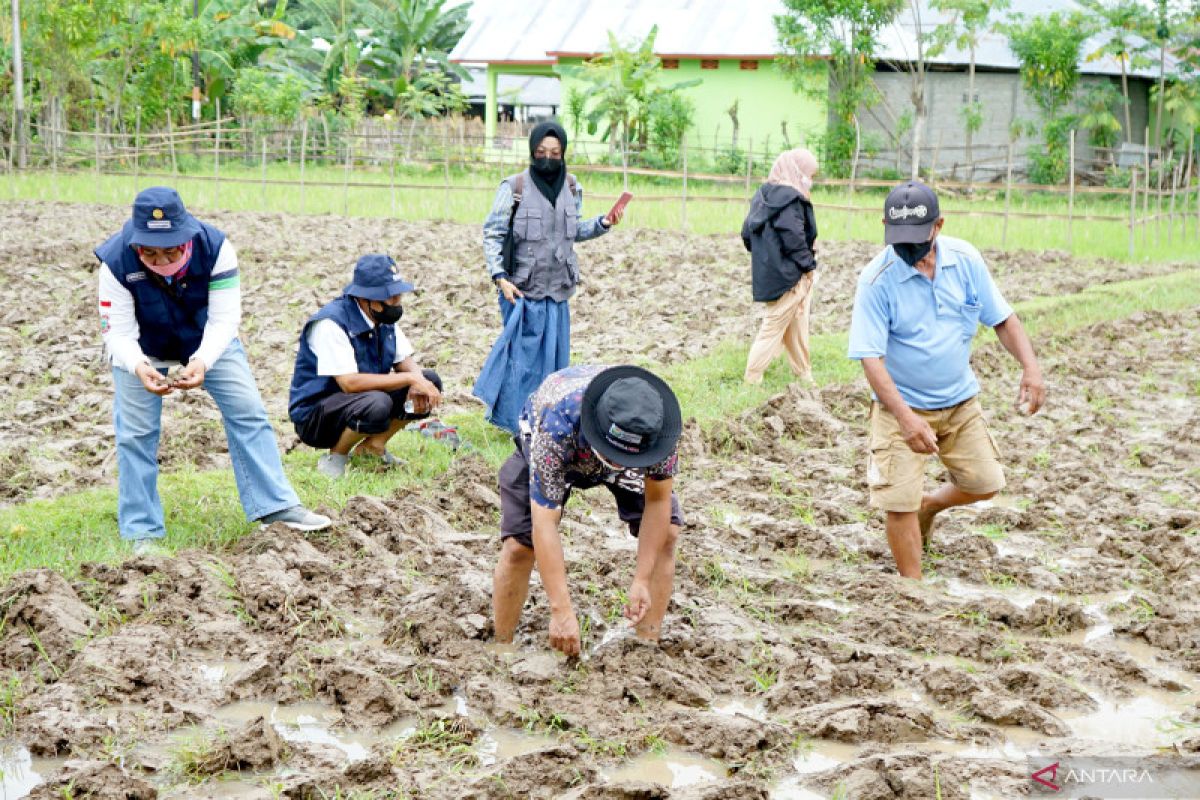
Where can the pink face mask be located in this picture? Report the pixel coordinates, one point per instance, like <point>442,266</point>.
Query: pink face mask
<point>173,268</point>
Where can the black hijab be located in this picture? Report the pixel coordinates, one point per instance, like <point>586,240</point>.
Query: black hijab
<point>548,182</point>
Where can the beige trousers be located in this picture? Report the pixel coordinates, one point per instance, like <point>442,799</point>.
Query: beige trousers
<point>784,326</point>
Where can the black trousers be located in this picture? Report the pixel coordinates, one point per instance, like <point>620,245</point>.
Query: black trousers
<point>361,412</point>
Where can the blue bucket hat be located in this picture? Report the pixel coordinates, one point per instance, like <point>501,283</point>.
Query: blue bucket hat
<point>376,277</point>
<point>160,220</point>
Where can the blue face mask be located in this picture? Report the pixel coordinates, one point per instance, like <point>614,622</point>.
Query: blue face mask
<point>911,253</point>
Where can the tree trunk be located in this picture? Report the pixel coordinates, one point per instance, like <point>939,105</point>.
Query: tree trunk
<point>1162,80</point>
<point>1125,96</point>
<point>970,120</point>
<point>918,93</point>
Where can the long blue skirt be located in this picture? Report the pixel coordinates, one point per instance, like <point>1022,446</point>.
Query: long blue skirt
<point>535,341</point>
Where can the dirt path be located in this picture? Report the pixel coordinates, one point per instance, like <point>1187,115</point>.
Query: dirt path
<point>1061,619</point>
<point>686,294</point>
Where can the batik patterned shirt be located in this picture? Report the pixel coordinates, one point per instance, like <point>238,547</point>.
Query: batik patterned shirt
<point>559,455</point>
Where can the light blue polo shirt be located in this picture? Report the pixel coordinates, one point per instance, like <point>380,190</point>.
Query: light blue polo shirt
<point>922,328</point>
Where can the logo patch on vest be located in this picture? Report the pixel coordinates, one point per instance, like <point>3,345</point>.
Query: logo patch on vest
<point>134,277</point>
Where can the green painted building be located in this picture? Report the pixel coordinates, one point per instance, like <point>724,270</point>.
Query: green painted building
<point>729,47</point>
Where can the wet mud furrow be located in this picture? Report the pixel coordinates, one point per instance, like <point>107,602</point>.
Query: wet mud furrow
<point>1061,618</point>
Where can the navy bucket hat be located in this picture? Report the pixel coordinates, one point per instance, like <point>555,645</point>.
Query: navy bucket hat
<point>631,417</point>
<point>160,220</point>
<point>376,277</point>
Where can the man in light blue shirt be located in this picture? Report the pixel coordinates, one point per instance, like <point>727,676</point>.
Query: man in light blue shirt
<point>917,308</point>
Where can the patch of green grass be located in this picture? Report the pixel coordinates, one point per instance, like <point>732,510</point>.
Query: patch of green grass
<point>713,207</point>
<point>993,531</point>
<point>448,739</point>
<point>10,696</point>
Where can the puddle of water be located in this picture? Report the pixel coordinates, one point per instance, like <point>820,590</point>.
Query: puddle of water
<point>819,757</point>
<point>841,608</point>
<point>499,744</point>
<point>1145,721</point>
<point>673,768</point>
<point>734,706</point>
<point>1020,597</point>
<point>310,723</point>
<point>217,671</point>
<point>19,774</point>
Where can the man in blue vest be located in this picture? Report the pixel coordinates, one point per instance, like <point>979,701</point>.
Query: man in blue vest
<point>170,297</point>
<point>356,382</point>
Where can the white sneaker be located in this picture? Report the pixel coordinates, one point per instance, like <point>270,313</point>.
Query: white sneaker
<point>149,547</point>
<point>332,465</point>
<point>299,518</point>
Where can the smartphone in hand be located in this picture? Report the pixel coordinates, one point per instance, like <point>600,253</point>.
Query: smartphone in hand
<point>619,206</point>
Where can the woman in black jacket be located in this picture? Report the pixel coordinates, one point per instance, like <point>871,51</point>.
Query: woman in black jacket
<point>779,232</point>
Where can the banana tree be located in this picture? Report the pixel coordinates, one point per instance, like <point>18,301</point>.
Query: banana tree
<point>409,37</point>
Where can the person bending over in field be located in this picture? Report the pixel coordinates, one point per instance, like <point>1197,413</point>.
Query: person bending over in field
<point>170,297</point>
<point>356,382</point>
<point>917,308</point>
<point>589,426</point>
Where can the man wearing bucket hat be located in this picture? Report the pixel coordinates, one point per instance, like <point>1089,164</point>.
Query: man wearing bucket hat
<point>917,309</point>
<point>589,426</point>
<point>169,294</point>
<point>356,381</point>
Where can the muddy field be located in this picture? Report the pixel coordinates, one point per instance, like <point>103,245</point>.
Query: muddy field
<point>1061,619</point>
<point>689,293</point>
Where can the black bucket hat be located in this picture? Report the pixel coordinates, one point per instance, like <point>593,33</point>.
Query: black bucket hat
<point>631,417</point>
<point>160,220</point>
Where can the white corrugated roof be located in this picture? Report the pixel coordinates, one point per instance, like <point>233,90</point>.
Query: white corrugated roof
<point>504,30</point>
<point>898,41</point>
<point>527,32</point>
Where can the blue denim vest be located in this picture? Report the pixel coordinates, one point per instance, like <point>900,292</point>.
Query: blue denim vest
<point>170,320</point>
<point>374,351</point>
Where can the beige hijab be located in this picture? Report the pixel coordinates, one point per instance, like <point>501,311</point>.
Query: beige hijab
<point>795,168</point>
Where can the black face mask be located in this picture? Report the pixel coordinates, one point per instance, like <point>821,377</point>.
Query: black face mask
<point>389,316</point>
<point>912,253</point>
<point>548,168</point>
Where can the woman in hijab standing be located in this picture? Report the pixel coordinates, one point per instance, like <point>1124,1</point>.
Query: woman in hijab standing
<point>779,232</point>
<point>545,207</point>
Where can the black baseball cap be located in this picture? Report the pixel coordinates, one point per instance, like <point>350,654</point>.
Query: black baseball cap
<point>909,213</point>
<point>631,417</point>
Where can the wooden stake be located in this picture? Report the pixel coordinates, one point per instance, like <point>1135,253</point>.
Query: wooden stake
<point>1146,187</point>
<point>1133,175</point>
<point>749,161</point>
<point>217,158</point>
<point>346,176</point>
<point>303,160</point>
<point>446,166</point>
<point>96,143</point>
<point>1007,195</point>
<point>1071,197</point>
<point>137,152</point>
<point>683,222</point>
<point>171,142</point>
<point>263,178</point>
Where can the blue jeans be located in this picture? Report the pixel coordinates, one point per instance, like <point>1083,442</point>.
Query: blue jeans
<point>257,467</point>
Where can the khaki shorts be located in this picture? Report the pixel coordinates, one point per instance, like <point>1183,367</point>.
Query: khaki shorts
<point>896,474</point>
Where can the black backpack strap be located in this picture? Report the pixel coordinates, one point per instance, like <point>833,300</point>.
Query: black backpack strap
<point>518,192</point>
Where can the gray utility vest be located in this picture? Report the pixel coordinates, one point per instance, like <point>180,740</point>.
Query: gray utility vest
<point>544,236</point>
